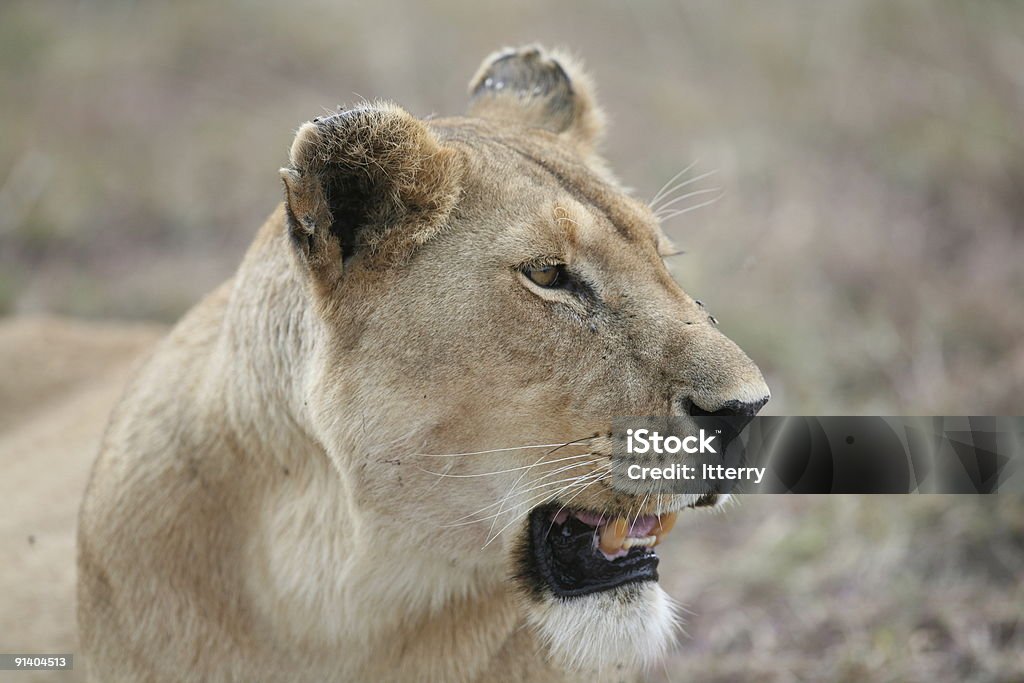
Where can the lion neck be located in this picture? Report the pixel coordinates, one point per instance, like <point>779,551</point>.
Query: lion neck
<point>324,569</point>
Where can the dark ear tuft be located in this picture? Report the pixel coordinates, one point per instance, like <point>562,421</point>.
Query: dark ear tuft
<point>538,89</point>
<point>372,180</point>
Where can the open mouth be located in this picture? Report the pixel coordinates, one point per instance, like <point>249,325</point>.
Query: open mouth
<point>577,552</point>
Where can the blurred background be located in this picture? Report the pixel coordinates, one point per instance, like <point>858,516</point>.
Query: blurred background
<point>867,249</point>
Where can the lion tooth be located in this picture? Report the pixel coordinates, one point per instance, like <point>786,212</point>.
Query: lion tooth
<point>644,540</point>
<point>613,535</point>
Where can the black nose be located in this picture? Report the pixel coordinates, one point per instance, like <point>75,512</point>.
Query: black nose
<point>738,414</point>
<point>731,409</point>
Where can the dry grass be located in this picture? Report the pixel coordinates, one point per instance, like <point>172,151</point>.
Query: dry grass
<point>849,589</point>
<point>867,253</point>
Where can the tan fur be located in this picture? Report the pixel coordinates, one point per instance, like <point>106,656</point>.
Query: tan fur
<point>265,506</point>
<point>583,123</point>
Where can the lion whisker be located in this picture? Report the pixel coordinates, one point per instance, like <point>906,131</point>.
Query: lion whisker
<point>695,193</point>
<point>593,477</point>
<point>638,511</point>
<point>532,501</point>
<point>685,183</point>
<point>514,488</point>
<point>671,180</point>
<point>680,212</point>
<point>571,466</point>
<point>505,471</point>
<point>604,475</point>
<point>536,485</point>
<point>494,450</point>
<point>527,471</point>
<point>567,482</point>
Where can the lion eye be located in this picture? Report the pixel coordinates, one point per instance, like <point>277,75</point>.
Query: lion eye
<point>545,276</point>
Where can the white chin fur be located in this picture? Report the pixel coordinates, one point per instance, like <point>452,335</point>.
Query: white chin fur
<point>630,626</point>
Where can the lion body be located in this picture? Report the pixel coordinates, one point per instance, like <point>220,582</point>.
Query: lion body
<point>290,581</point>
<point>290,488</point>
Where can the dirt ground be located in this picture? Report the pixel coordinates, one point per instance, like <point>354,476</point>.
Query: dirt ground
<point>60,380</point>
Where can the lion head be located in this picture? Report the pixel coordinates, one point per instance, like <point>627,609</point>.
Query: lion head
<point>488,298</point>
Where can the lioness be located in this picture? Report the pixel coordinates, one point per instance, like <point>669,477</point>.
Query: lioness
<point>372,455</point>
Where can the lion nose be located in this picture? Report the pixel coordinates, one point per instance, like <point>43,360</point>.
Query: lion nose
<point>739,412</point>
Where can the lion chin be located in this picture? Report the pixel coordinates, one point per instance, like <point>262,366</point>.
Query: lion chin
<point>631,626</point>
<point>590,586</point>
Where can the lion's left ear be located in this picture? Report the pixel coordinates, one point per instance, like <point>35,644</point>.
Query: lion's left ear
<point>371,180</point>
<point>532,87</point>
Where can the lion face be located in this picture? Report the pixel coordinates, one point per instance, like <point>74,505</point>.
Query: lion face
<point>490,299</point>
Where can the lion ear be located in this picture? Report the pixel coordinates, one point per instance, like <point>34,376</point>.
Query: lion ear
<point>532,87</point>
<point>371,180</point>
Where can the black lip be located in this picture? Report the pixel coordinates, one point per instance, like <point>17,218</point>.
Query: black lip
<point>563,559</point>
